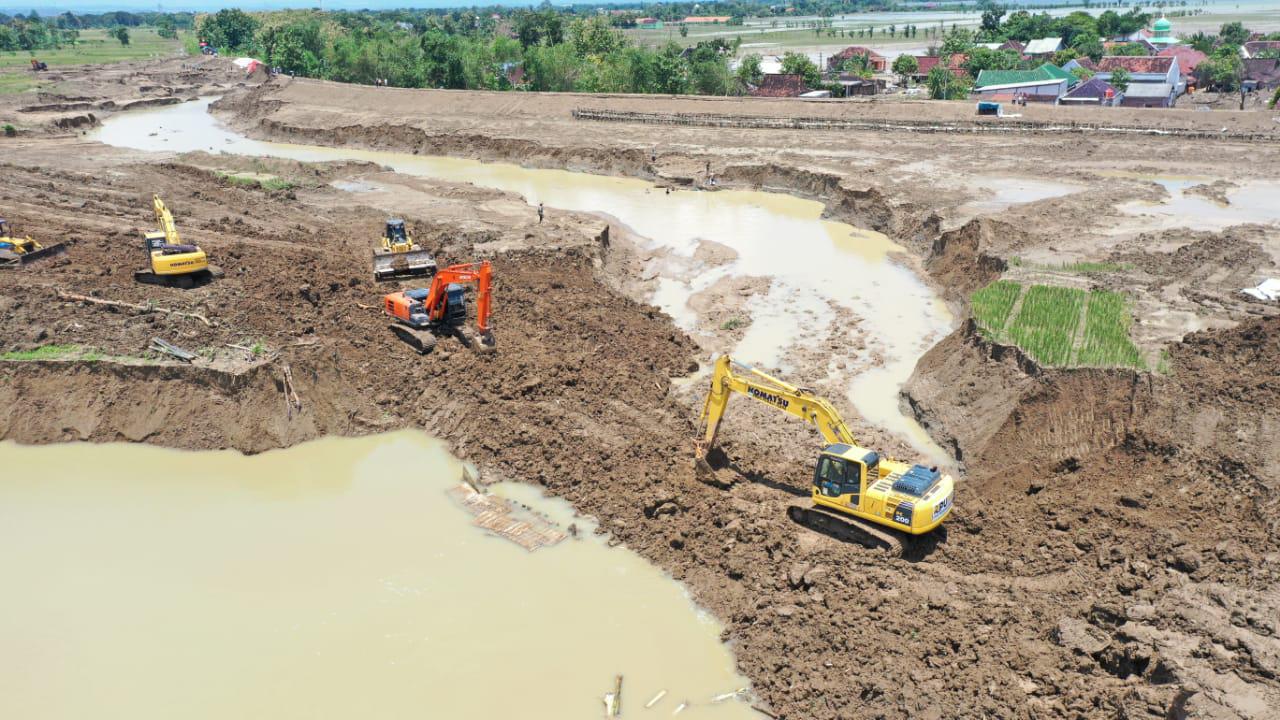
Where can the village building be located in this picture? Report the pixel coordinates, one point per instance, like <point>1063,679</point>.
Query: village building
<point>878,62</point>
<point>1042,47</point>
<point>1189,59</point>
<point>1162,33</point>
<point>925,63</point>
<point>706,19</point>
<point>649,23</point>
<point>1261,74</point>
<point>1253,47</point>
<point>779,86</point>
<point>1038,85</point>
<point>1093,91</point>
<point>1153,81</point>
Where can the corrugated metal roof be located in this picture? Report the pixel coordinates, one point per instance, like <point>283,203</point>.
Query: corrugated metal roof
<point>1043,46</point>
<point>1148,90</point>
<point>1014,77</point>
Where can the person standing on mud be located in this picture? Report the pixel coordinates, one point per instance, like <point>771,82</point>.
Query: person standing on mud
<point>540,211</point>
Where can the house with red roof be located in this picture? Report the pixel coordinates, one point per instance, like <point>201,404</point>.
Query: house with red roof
<point>1253,47</point>
<point>878,62</point>
<point>1154,81</point>
<point>706,19</point>
<point>925,63</point>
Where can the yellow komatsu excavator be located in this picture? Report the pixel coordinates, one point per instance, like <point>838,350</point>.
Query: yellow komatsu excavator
<point>169,262</point>
<point>858,495</point>
<point>15,250</point>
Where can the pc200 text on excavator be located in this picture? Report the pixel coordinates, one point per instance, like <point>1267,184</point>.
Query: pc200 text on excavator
<point>857,494</point>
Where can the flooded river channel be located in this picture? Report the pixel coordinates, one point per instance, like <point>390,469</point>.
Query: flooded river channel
<point>818,269</point>
<point>336,579</point>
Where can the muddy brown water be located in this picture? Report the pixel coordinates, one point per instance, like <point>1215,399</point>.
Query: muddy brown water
<point>335,579</point>
<point>816,266</point>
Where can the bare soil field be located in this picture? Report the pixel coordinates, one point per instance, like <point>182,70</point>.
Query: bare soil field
<point>1115,549</point>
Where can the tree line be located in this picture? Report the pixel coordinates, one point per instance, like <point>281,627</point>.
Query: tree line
<point>537,49</point>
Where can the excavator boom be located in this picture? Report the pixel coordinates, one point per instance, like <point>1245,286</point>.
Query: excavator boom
<point>420,313</point>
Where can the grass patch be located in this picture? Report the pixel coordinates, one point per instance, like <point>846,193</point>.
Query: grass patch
<point>1046,324</point>
<point>1077,267</point>
<point>44,352</point>
<point>1164,365</point>
<point>731,324</point>
<point>991,306</point>
<point>12,83</point>
<point>1106,333</point>
<point>270,183</point>
<point>95,46</point>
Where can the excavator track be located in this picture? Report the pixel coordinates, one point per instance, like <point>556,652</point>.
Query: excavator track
<point>847,528</point>
<point>423,341</point>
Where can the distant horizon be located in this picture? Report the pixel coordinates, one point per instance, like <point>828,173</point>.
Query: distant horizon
<point>105,6</point>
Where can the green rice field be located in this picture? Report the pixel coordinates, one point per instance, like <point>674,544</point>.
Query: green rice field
<point>1047,324</point>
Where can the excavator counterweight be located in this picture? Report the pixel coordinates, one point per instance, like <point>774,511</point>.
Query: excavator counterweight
<point>858,494</point>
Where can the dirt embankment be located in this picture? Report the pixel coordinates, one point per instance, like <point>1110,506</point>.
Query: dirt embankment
<point>1113,554</point>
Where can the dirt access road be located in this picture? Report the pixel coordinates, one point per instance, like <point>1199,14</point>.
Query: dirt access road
<point>1115,549</point>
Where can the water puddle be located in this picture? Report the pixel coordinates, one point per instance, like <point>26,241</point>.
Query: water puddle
<point>1003,193</point>
<point>1254,202</point>
<point>816,266</point>
<point>335,579</point>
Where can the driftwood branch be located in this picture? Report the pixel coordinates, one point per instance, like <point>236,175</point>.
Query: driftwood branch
<point>62,295</point>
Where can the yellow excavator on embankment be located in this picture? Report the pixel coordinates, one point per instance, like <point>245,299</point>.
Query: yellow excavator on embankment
<point>858,495</point>
<point>169,262</point>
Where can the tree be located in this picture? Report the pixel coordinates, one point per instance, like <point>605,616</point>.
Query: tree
<point>906,66</point>
<point>958,41</point>
<point>1088,43</point>
<point>1130,49</point>
<point>231,29</point>
<point>1222,70</point>
<point>594,37</point>
<point>1202,42</point>
<point>1119,79</point>
<point>1233,33</point>
<point>797,64</point>
<point>684,30</point>
<point>122,34</point>
<point>944,85</point>
<point>749,70</point>
<point>165,28</point>
<point>991,14</point>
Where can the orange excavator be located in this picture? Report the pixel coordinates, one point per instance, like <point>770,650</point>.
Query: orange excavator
<point>423,314</point>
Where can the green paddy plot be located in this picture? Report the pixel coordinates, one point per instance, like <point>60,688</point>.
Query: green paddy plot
<point>992,305</point>
<point>1059,326</point>
<point>1106,339</point>
<point>93,47</point>
<point>1046,325</point>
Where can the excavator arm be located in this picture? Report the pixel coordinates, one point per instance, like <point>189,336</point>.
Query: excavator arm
<point>480,273</point>
<point>165,220</point>
<point>733,377</point>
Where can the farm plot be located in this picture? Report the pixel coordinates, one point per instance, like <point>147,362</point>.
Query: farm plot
<point>1047,324</point>
<point>1106,340</point>
<point>992,305</point>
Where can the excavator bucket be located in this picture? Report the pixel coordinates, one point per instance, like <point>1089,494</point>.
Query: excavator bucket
<point>389,265</point>
<point>12,256</point>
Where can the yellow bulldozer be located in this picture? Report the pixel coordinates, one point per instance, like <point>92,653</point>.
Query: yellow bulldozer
<point>858,495</point>
<point>169,262</point>
<point>16,250</point>
<point>399,256</point>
